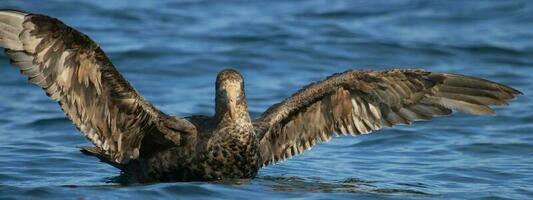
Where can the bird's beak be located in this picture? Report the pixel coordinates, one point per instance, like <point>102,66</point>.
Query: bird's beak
<point>232,103</point>
<point>232,108</point>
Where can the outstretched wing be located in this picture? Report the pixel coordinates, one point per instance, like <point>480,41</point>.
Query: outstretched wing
<point>359,102</point>
<point>74,71</point>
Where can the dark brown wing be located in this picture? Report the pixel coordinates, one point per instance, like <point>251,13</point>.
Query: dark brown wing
<point>74,71</point>
<point>359,102</point>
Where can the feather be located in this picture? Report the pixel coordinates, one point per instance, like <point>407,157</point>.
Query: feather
<point>360,102</point>
<point>470,108</point>
<point>53,60</point>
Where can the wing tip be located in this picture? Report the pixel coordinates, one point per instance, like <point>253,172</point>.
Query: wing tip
<point>14,11</point>
<point>515,91</point>
<point>482,83</point>
<point>11,25</point>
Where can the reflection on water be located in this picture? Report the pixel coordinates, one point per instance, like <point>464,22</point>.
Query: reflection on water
<point>289,184</point>
<point>350,185</point>
<point>171,52</point>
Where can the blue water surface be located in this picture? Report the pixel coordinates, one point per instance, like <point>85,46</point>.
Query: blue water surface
<point>171,52</point>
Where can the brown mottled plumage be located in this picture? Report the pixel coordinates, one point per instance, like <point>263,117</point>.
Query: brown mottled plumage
<point>131,134</point>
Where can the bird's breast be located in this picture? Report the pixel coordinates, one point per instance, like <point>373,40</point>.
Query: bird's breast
<point>233,155</point>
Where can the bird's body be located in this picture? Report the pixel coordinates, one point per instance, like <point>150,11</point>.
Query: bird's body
<point>133,135</point>
<point>230,151</point>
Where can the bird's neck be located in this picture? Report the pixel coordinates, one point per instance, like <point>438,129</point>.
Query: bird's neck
<point>240,115</point>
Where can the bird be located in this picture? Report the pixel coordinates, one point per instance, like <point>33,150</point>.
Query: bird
<point>146,144</point>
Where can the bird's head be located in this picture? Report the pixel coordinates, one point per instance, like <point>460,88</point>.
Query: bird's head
<point>230,97</point>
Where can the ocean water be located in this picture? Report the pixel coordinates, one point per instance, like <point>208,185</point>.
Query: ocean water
<point>171,52</point>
